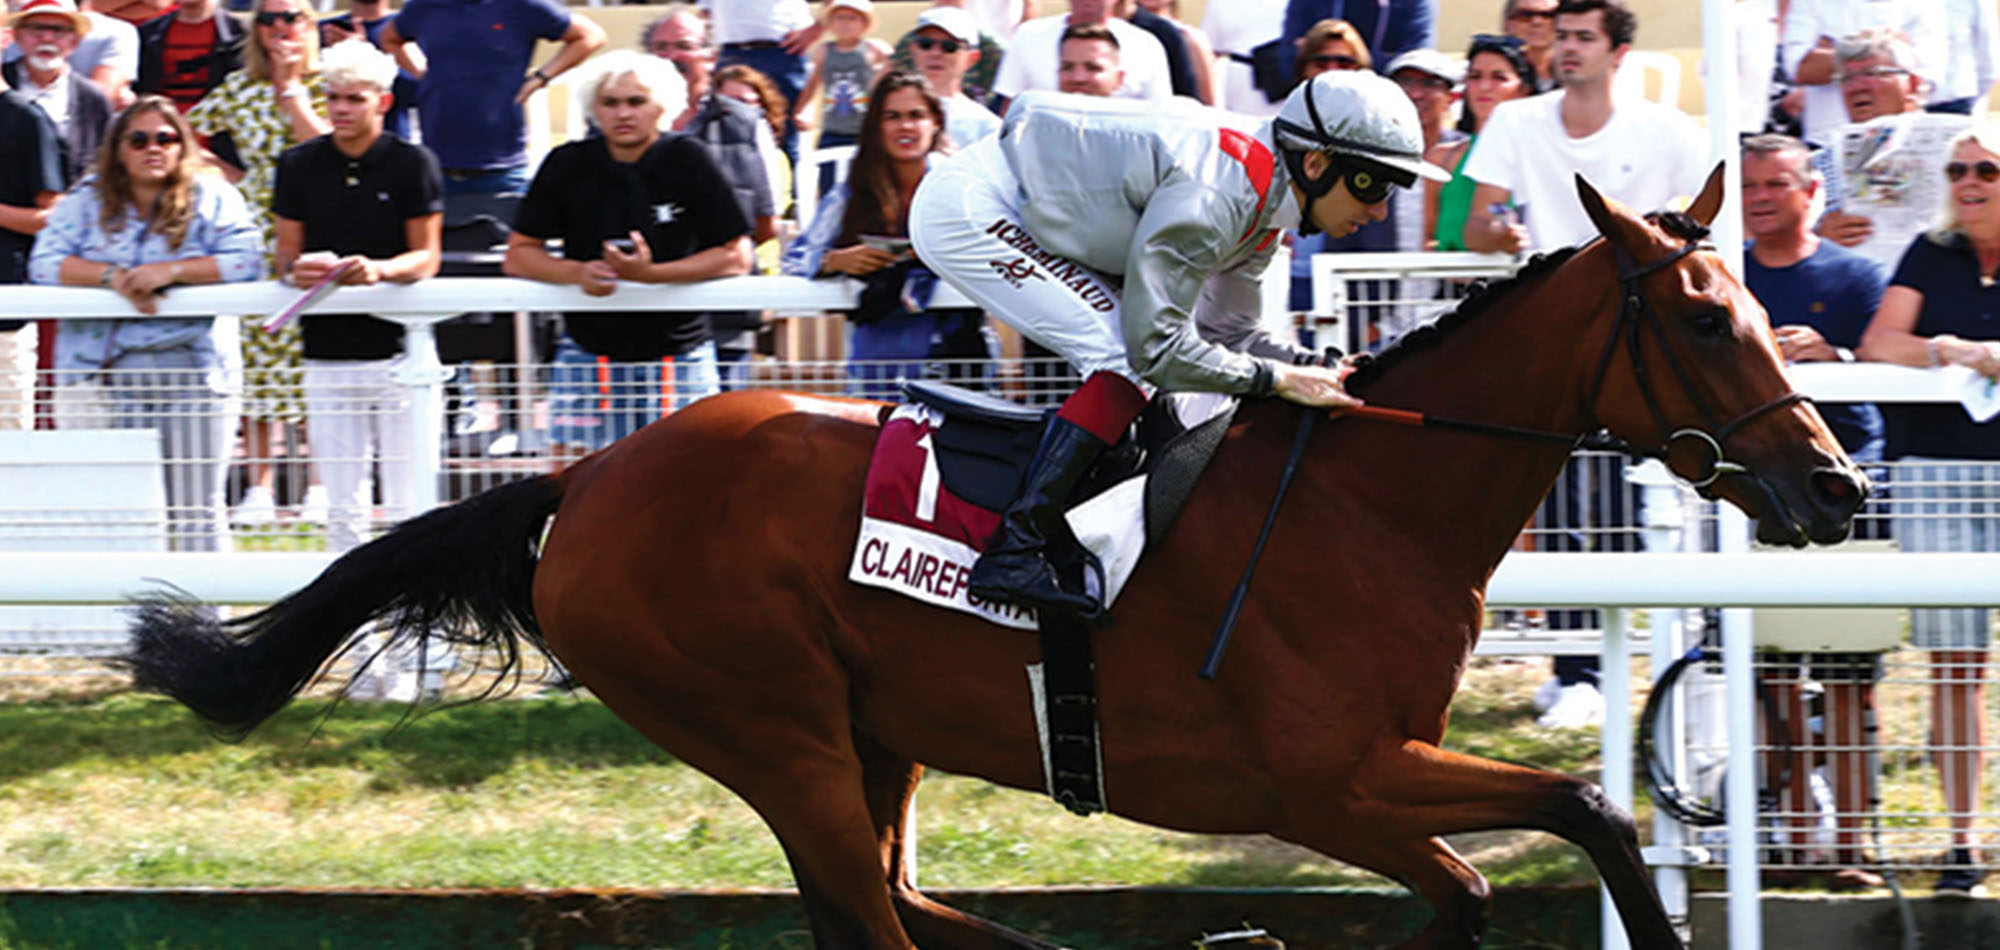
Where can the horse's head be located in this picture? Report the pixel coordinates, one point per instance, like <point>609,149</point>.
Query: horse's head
<point>1691,370</point>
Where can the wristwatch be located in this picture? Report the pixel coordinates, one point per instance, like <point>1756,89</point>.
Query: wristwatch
<point>105,276</point>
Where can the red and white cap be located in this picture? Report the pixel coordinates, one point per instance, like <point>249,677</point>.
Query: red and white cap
<point>61,8</point>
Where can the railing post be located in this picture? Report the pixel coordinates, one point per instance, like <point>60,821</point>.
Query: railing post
<point>1615,679</point>
<point>424,376</point>
<point>1746,921</point>
<point>1662,519</point>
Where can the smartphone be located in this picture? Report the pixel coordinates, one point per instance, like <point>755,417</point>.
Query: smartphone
<point>624,245</point>
<point>898,246</point>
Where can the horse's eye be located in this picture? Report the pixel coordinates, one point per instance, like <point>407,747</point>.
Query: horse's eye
<point>1712,323</point>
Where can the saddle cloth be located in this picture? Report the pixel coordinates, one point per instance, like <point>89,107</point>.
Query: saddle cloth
<point>920,535</point>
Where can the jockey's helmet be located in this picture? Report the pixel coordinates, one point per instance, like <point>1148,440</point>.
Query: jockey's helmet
<point>1365,123</point>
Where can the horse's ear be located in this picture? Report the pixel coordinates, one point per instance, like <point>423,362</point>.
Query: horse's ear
<point>1613,221</point>
<point>1709,201</point>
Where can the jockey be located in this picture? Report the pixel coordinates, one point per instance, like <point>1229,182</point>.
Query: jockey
<point>1129,238</point>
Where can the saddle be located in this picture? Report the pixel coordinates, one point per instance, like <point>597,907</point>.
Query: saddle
<point>950,460</point>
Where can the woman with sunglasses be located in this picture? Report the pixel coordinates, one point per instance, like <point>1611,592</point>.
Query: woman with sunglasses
<point>143,223</point>
<point>272,103</point>
<point>1497,70</point>
<point>1331,45</point>
<point>1942,308</point>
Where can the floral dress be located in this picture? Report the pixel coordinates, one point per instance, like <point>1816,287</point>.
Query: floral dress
<point>249,111</point>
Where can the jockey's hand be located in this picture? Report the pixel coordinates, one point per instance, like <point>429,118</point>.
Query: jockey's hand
<point>1314,385</point>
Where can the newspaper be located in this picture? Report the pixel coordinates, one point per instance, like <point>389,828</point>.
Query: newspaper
<point>1891,171</point>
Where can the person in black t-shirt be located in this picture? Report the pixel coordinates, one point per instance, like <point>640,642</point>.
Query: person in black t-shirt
<point>31,177</point>
<point>361,199</point>
<point>628,204</point>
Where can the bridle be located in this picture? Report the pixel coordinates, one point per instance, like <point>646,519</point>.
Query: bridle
<point>1636,321</point>
<point>1635,318</point>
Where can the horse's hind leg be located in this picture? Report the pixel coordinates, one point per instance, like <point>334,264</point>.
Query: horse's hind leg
<point>1415,790</point>
<point>1435,872</point>
<point>891,783</point>
<point>821,819</point>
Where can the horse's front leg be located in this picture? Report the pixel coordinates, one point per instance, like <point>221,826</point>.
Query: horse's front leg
<point>1408,791</point>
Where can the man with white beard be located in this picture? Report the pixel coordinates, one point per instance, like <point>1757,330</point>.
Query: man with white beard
<point>48,31</point>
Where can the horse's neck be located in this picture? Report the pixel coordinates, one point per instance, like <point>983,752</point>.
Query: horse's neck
<point>1527,361</point>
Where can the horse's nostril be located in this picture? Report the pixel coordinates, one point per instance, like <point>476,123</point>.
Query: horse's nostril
<point>1838,490</point>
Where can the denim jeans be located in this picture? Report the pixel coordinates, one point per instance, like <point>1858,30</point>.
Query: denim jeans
<point>512,180</point>
<point>595,402</point>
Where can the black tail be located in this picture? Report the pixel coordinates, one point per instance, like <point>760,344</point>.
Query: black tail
<point>460,574</point>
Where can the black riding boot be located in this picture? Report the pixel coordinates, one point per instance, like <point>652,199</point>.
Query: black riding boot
<point>1015,566</point>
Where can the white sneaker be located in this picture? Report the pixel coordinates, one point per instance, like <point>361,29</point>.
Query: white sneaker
<point>312,508</point>
<point>1577,705</point>
<point>257,507</point>
<point>1545,694</point>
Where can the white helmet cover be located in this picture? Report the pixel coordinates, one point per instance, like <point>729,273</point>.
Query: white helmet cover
<point>1356,112</point>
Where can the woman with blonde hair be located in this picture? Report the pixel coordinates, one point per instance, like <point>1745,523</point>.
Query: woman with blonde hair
<point>146,221</point>
<point>274,102</point>
<point>1937,312</point>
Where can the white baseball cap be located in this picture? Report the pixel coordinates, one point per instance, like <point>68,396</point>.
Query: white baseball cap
<point>864,7</point>
<point>952,20</point>
<point>1359,113</point>
<point>1428,61</point>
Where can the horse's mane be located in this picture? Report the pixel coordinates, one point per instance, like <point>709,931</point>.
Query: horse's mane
<point>1484,293</point>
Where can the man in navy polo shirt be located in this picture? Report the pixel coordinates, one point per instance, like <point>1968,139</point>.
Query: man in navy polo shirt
<point>470,94</point>
<point>364,200</point>
<point>629,204</point>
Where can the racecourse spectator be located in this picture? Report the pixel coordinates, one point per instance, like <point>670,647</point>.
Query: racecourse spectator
<point>1813,30</point>
<point>184,55</point>
<point>1641,153</point>
<point>365,205</point>
<point>49,31</point>
<point>843,70</point>
<point>772,37</point>
<point>107,53</point>
<point>146,222</point>
<point>984,45</point>
<point>1387,28</point>
<point>1877,79</point>
<point>364,20</point>
<point>31,176</point>
<point>258,111</point>
<point>944,46</point>
<point>1089,62</point>
<point>1184,77</point>
<point>1533,22</point>
<point>1245,34</point>
<point>629,204</point>
<point>741,144</point>
<point>1939,311</point>
<point>1034,59</point>
<point>1972,58</point>
<point>1330,45</point>
<point>476,77</point>
<point>862,228</point>
<point>1819,296</point>
<point>756,90</point>
<point>1431,80</point>
<point>1497,70</point>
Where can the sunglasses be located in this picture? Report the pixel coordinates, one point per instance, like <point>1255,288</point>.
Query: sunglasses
<point>164,138</point>
<point>928,43</point>
<point>1987,171</point>
<point>275,17</point>
<point>1532,15</point>
<point>1334,61</point>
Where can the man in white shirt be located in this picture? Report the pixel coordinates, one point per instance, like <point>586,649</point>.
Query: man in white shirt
<point>943,46</point>
<point>1235,28</point>
<point>1812,29</point>
<point>1641,153</point>
<point>1034,59</point>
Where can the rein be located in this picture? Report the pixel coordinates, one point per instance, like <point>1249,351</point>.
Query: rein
<point>1635,318</point>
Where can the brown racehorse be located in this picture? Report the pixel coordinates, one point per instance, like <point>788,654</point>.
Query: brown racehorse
<point>694,579</point>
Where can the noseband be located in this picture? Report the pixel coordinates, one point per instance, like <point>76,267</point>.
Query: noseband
<point>1636,320</point>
